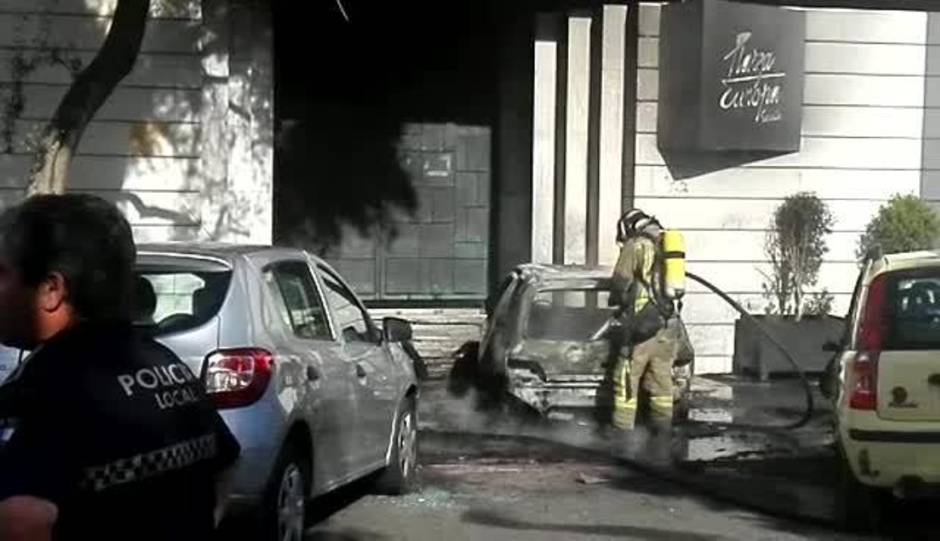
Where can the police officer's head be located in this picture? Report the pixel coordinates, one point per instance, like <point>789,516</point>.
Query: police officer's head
<point>63,259</point>
<point>634,223</point>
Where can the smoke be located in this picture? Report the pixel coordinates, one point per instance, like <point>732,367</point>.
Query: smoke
<point>470,413</point>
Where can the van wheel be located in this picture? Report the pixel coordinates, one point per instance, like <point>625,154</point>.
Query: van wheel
<point>283,514</point>
<point>858,507</point>
<point>400,475</point>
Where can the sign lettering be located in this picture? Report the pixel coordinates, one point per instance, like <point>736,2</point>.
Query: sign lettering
<point>751,81</point>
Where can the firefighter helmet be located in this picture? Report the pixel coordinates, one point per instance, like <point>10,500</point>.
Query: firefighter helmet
<point>634,222</point>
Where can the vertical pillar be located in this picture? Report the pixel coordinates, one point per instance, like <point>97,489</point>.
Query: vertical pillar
<point>512,145</point>
<point>543,144</point>
<point>610,189</point>
<point>594,135</point>
<point>576,135</point>
<point>929,176</point>
<point>561,142</point>
<point>631,49</point>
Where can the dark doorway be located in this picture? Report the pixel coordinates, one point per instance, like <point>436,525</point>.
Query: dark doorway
<point>383,160</point>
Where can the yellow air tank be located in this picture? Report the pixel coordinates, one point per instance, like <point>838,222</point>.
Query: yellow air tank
<point>673,264</point>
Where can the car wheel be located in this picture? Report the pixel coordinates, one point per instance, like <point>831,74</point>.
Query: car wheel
<point>400,475</point>
<point>858,507</point>
<point>283,511</point>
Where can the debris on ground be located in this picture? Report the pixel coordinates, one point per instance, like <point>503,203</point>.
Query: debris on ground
<point>430,498</point>
<point>588,479</point>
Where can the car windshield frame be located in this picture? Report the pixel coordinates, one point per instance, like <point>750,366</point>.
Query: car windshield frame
<point>586,286</point>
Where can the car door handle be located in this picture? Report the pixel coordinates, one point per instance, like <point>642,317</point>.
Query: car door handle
<point>313,374</point>
<point>361,371</point>
<point>933,379</point>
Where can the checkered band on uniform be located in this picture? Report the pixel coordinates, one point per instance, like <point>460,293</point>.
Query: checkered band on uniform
<point>142,466</point>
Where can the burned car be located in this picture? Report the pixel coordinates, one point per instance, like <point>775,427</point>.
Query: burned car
<point>548,345</point>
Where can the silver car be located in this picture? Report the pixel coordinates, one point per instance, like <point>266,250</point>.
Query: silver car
<point>315,392</point>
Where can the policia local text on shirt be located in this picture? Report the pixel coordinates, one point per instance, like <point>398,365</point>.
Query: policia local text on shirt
<point>112,436</point>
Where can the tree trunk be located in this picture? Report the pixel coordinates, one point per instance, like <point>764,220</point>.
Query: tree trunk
<point>798,285</point>
<point>88,92</point>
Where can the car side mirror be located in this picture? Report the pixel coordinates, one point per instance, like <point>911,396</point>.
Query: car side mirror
<point>397,329</point>
<point>350,334</point>
<point>832,347</point>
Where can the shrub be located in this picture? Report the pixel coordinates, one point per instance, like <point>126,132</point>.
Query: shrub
<point>819,304</point>
<point>795,245</point>
<point>905,224</point>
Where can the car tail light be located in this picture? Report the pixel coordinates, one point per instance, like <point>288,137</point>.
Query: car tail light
<point>864,382</point>
<point>871,339</point>
<point>235,378</point>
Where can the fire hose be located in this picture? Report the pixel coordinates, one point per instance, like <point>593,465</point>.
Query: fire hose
<point>807,387</point>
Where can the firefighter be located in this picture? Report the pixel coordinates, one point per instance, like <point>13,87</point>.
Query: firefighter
<point>649,344</point>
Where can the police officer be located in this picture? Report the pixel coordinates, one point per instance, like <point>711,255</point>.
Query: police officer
<point>97,452</point>
<point>649,346</point>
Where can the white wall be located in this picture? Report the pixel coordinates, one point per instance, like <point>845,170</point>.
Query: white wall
<point>863,117</point>
<point>168,145</point>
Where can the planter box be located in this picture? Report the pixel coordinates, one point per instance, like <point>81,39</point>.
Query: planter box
<point>755,354</point>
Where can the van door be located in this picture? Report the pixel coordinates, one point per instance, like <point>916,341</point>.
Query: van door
<point>909,362</point>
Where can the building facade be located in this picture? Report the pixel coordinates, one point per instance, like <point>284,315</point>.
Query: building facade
<point>184,145</point>
<point>866,90</point>
<point>541,126</point>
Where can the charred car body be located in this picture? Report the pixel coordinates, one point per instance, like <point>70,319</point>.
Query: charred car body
<point>549,343</point>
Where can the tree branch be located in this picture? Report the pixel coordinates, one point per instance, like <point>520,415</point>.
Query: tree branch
<point>87,94</point>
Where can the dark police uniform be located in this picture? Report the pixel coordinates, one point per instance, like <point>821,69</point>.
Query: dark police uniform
<point>118,433</point>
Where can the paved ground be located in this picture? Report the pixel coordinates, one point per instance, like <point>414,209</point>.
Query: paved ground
<point>500,488</point>
<point>735,443</point>
<point>500,477</point>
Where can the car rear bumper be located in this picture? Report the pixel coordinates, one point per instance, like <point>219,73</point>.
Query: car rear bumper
<point>569,397</point>
<point>558,399</point>
<point>908,463</point>
<point>259,430</point>
<point>892,436</point>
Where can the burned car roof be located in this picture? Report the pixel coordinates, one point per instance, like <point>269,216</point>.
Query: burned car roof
<point>564,276</point>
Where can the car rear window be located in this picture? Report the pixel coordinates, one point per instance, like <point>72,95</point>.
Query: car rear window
<point>171,299</point>
<point>567,314</point>
<point>914,302</point>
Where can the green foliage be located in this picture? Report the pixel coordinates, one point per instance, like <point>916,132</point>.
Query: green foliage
<point>905,224</point>
<point>795,246</point>
<point>819,304</point>
<point>30,55</point>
